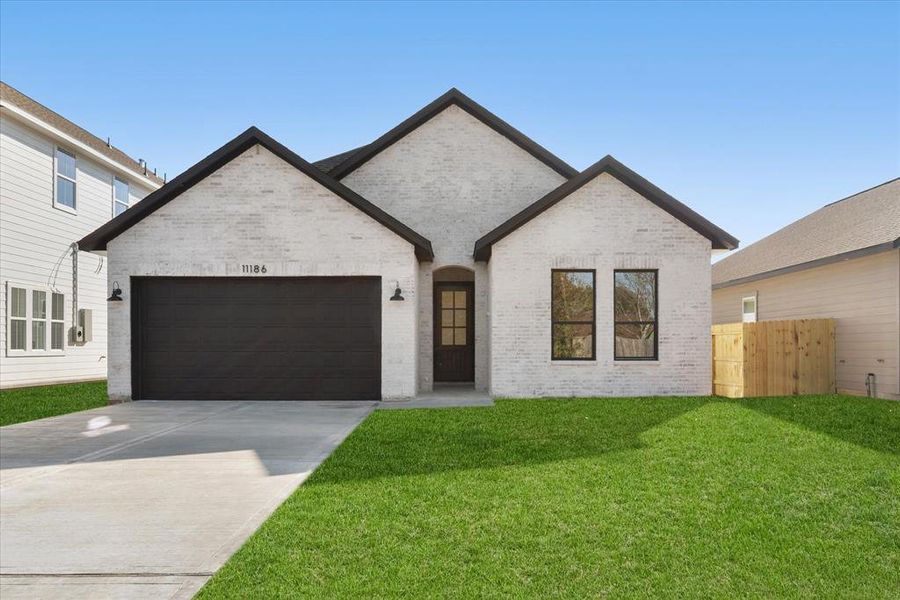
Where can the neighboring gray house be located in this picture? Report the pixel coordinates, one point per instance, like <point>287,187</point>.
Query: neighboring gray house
<point>451,249</point>
<point>842,261</point>
<point>58,182</point>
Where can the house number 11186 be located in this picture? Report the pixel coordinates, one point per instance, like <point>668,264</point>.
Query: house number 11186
<point>253,269</point>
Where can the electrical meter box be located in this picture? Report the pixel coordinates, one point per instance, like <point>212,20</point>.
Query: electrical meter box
<point>84,331</point>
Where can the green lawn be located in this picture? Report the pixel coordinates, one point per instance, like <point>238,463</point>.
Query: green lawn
<point>665,497</point>
<point>28,404</point>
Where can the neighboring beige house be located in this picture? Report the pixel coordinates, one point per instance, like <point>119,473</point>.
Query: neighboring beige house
<point>452,249</point>
<point>57,183</point>
<point>842,261</point>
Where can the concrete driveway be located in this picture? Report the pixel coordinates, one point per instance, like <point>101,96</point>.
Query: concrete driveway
<point>148,499</point>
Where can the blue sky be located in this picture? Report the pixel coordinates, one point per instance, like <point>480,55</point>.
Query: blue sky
<point>752,114</point>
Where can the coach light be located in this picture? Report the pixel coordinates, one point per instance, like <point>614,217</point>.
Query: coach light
<point>116,295</point>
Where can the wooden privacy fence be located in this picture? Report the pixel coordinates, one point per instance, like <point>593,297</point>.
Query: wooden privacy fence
<point>773,358</point>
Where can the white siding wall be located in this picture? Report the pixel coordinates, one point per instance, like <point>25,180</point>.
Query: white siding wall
<point>35,239</point>
<point>604,226</point>
<point>453,179</point>
<point>862,295</point>
<point>259,209</point>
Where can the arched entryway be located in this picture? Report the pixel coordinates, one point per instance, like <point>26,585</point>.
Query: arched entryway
<point>454,325</point>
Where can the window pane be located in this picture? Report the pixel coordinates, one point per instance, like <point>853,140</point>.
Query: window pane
<point>58,308</point>
<point>17,335</point>
<point>39,304</point>
<point>65,192</point>
<point>446,336</point>
<point>446,299</point>
<point>749,310</point>
<point>635,296</point>
<point>120,208</point>
<point>459,336</point>
<point>447,317</point>
<point>38,335</point>
<point>120,189</point>
<point>573,341</point>
<point>460,318</point>
<point>573,296</point>
<point>56,336</point>
<point>65,163</point>
<point>459,299</point>
<point>17,302</point>
<point>635,341</point>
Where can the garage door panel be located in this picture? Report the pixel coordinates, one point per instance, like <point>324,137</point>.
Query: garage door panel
<point>361,359</point>
<point>164,361</point>
<point>307,372</point>
<point>170,338</point>
<point>266,338</point>
<point>336,340</point>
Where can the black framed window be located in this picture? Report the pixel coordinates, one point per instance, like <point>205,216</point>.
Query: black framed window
<point>572,301</point>
<point>636,314</point>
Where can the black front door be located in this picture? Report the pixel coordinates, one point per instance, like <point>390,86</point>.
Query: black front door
<point>454,332</point>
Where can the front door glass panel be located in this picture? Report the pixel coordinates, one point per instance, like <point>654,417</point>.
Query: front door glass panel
<point>453,318</point>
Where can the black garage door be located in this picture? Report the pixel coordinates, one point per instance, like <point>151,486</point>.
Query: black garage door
<point>315,338</point>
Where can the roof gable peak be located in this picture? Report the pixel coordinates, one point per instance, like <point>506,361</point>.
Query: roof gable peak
<point>608,164</point>
<point>453,96</point>
<point>249,138</point>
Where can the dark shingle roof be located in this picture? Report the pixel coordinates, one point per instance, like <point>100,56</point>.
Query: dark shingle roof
<point>865,222</point>
<point>14,97</point>
<point>326,164</point>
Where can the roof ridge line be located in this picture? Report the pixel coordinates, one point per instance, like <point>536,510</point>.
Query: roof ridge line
<point>856,194</point>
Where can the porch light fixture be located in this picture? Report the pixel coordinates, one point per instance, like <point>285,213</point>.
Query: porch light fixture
<point>116,295</point>
<point>397,297</point>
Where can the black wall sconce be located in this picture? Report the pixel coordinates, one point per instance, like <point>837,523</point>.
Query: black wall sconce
<point>397,293</point>
<point>116,295</point>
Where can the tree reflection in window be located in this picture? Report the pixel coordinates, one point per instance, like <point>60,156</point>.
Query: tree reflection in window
<point>635,314</point>
<point>572,314</point>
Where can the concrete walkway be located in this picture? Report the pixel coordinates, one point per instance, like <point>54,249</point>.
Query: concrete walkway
<point>148,499</point>
<point>443,396</point>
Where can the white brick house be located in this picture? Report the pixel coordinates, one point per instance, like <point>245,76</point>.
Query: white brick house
<point>451,249</point>
<point>57,183</point>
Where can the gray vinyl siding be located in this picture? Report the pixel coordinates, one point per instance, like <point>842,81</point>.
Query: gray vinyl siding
<point>34,250</point>
<point>863,295</point>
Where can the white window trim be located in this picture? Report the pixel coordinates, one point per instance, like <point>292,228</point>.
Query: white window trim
<point>755,312</point>
<point>115,200</point>
<point>57,174</point>
<point>10,351</point>
<point>29,300</point>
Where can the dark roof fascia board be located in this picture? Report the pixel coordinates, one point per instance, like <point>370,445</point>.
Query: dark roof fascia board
<point>98,239</point>
<point>720,239</point>
<point>453,96</point>
<point>812,264</point>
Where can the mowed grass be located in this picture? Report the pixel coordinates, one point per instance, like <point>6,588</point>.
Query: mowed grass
<point>28,404</point>
<point>662,497</point>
